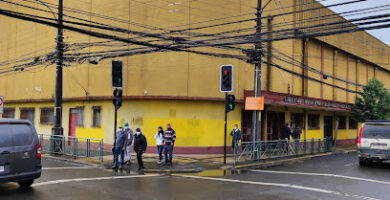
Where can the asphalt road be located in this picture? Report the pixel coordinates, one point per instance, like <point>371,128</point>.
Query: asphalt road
<point>331,177</point>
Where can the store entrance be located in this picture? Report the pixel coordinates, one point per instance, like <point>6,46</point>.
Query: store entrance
<point>328,127</point>
<point>275,125</point>
<point>246,125</point>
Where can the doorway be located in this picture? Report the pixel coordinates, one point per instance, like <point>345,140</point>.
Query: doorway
<point>246,125</point>
<point>73,119</point>
<point>328,127</point>
<point>275,125</point>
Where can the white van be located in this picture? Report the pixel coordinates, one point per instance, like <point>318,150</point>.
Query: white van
<point>374,142</point>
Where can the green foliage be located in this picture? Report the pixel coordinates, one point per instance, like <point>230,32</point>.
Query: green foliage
<point>373,103</point>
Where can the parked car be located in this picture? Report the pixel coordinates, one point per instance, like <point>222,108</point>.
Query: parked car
<point>20,152</point>
<point>374,142</point>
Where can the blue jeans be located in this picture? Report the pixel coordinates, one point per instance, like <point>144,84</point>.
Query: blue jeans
<point>168,149</point>
<point>160,150</point>
<point>119,150</point>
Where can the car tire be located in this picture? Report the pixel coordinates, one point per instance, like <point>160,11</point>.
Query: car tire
<point>26,183</point>
<point>362,162</point>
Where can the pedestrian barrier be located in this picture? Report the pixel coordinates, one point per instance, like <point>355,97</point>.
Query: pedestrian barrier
<point>72,146</point>
<point>262,150</point>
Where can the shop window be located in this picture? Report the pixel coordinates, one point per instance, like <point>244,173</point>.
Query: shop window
<point>297,121</point>
<point>342,122</point>
<point>314,122</point>
<point>27,114</point>
<point>96,116</point>
<point>9,113</point>
<point>47,116</point>
<point>352,123</point>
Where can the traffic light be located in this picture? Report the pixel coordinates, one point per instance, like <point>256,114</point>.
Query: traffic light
<point>117,98</point>
<point>230,104</point>
<point>226,78</point>
<point>116,74</point>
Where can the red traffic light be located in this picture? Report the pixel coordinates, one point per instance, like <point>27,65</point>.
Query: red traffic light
<point>225,72</point>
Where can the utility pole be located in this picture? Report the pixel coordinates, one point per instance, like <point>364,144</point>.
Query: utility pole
<point>257,87</point>
<point>58,130</point>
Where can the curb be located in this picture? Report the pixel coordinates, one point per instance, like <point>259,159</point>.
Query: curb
<point>96,166</point>
<point>268,164</point>
<point>69,160</point>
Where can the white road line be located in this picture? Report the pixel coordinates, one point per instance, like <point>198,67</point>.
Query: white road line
<point>298,187</point>
<point>90,179</point>
<point>64,168</point>
<point>320,174</point>
<point>350,164</point>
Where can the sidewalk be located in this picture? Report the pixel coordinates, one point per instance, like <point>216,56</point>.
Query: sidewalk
<point>198,163</point>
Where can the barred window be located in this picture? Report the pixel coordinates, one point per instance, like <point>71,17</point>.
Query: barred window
<point>96,116</point>
<point>47,116</point>
<point>297,121</point>
<point>352,123</point>
<point>27,114</point>
<point>9,113</point>
<point>314,122</point>
<point>80,117</point>
<point>342,122</point>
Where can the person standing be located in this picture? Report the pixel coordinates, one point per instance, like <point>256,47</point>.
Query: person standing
<point>286,137</point>
<point>159,142</point>
<point>286,132</point>
<point>236,133</point>
<point>169,141</point>
<point>120,147</point>
<point>140,145</point>
<point>129,142</point>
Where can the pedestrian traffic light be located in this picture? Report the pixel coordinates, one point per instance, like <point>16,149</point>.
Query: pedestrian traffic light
<point>230,104</point>
<point>117,74</point>
<point>226,78</point>
<point>117,98</point>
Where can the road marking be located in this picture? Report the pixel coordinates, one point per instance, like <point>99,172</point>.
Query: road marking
<point>64,168</point>
<point>90,179</point>
<point>298,187</point>
<point>350,164</point>
<point>319,174</point>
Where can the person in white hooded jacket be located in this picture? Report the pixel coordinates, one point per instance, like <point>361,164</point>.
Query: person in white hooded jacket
<point>159,142</point>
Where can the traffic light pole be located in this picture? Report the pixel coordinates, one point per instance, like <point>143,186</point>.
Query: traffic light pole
<point>115,124</point>
<point>57,129</point>
<point>224,145</point>
<point>257,86</point>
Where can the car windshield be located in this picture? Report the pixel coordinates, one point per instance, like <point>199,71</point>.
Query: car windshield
<point>377,131</point>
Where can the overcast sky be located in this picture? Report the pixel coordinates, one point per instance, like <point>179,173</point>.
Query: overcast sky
<point>382,34</point>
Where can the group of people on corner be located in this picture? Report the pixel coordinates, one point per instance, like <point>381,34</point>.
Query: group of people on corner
<point>124,142</point>
<point>123,146</point>
<point>295,133</point>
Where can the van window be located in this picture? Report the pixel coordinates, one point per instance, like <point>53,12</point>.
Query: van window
<point>5,135</point>
<point>22,134</point>
<point>377,131</point>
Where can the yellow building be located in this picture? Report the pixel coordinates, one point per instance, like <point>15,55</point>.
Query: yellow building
<point>182,88</point>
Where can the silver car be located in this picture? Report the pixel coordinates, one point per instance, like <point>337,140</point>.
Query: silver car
<point>374,142</point>
<point>20,152</point>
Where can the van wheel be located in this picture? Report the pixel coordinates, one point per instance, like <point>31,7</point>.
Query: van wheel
<point>26,183</point>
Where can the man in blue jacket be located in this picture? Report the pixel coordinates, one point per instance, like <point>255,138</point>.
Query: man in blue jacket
<point>120,147</point>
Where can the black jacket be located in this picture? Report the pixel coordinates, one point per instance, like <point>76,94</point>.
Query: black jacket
<point>140,142</point>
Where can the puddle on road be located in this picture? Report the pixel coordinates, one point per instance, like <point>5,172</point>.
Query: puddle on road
<point>214,173</point>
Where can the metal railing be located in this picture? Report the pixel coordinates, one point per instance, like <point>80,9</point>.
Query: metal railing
<point>261,150</point>
<point>72,146</point>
